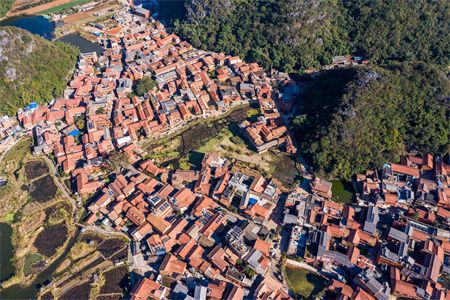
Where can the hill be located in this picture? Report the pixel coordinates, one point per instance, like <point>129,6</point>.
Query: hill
<point>293,35</point>
<point>5,6</point>
<point>31,68</point>
<point>355,119</point>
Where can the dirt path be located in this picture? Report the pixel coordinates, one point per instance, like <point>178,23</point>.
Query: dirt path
<point>62,187</point>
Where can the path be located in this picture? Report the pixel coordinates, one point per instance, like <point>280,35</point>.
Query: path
<point>61,186</point>
<point>9,148</point>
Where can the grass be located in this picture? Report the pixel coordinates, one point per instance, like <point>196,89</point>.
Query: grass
<point>342,191</point>
<point>63,7</point>
<point>30,259</point>
<point>9,218</point>
<point>303,282</point>
<point>18,152</point>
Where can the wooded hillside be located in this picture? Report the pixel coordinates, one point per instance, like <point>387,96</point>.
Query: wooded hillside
<point>31,68</point>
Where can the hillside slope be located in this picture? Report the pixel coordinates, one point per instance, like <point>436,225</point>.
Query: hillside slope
<point>293,35</point>
<point>355,119</point>
<point>5,6</point>
<point>31,68</point>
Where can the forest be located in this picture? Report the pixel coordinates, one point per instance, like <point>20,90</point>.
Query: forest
<point>33,69</point>
<point>293,35</point>
<point>358,119</point>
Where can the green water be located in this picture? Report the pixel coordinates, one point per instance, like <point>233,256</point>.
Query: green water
<point>342,191</point>
<point>6,252</point>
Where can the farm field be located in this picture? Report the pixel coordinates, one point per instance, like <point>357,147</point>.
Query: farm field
<point>93,254</point>
<point>32,205</point>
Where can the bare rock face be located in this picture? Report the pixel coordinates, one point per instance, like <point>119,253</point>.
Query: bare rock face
<point>11,73</point>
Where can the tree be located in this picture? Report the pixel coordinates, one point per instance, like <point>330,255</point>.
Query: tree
<point>293,35</point>
<point>33,69</point>
<point>80,123</point>
<point>144,85</point>
<point>356,119</point>
<point>117,161</point>
<point>5,6</point>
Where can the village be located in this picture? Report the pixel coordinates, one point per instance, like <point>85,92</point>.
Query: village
<point>219,232</point>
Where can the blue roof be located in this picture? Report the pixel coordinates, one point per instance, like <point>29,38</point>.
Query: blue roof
<point>74,132</point>
<point>252,201</point>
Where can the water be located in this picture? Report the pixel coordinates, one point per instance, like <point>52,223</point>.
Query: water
<point>81,43</point>
<point>6,252</point>
<point>34,24</point>
<point>41,26</point>
<point>18,291</point>
<point>342,191</point>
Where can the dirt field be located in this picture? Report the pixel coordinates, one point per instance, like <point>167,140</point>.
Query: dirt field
<point>50,239</point>
<point>90,15</point>
<point>36,9</point>
<point>19,3</point>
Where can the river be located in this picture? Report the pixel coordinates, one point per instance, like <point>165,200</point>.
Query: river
<point>6,252</point>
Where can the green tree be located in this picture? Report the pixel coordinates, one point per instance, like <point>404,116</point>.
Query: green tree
<point>34,69</point>
<point>355,119</point>
<point>5,6</point>
<point>145,85</point>
<point>117,161</point>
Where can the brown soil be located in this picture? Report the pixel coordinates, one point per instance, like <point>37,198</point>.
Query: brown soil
<point>50,239</point>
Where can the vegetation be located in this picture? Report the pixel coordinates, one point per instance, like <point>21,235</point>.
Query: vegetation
<point>33,69</point>
<point>399,30</point>
<point>63,7</point>
<point>286,34</point>
<point>5,6</point>
<point>292,35</point>
<point>50,239</point>
<point>144,85</point>
<point>117,161</point>
<point>355,119</point>
<point>303,283</point>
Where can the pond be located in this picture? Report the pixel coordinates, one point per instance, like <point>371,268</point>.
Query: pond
<point>18,291</point>
<point>342,191</point>
<point>6,252</point>
<point>35,24</point>
<point>81,43</point>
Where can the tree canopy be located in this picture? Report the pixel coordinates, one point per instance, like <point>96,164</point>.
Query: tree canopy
<point>5,6</point>
<point>355,119</point>
<point>33,69</point>
<point>144,85</point>
<point>295,35</point>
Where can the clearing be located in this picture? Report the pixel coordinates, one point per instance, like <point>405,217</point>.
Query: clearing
<point>303,282</point>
